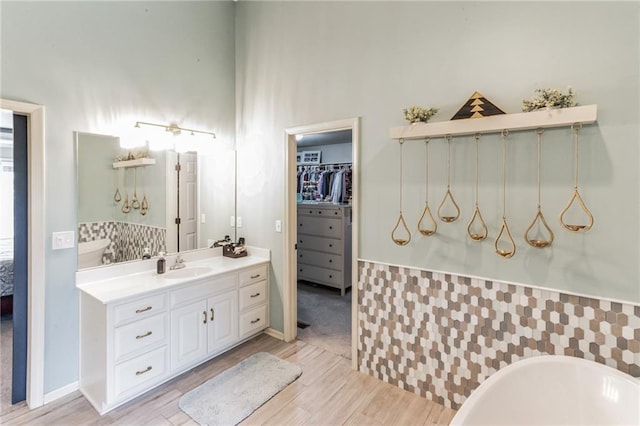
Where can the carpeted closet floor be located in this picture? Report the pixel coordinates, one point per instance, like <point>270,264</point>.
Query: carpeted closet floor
<point>328,315</point>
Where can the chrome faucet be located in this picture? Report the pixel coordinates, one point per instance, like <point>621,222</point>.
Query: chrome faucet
<point>179,263</point>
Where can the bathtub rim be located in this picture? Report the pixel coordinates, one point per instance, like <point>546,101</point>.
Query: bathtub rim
<point>490,381</point>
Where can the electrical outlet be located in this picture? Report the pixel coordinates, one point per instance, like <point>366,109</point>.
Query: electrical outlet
<point>239,221</point>
<point>62,240</point>
<point>232,221</point>
<point>203,218</point>
<point>278,226</point>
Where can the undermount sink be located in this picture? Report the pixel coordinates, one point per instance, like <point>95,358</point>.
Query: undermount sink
<point>188,272</point>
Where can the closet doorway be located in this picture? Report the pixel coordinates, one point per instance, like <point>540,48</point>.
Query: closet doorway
<point>321,235</point>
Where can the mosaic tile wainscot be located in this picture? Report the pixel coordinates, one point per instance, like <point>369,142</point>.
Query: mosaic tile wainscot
<point>440,335</point>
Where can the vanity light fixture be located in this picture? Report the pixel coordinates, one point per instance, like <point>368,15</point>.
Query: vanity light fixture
<point>174,129</point>
<point>173,137</point>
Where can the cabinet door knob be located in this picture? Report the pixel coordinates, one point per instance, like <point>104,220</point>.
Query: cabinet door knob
<point>330,261</point>
<point>204,313</point>
<point>142,336</point>
<point>213,314</point>
<point>331,227</point>
<point>330,245</point>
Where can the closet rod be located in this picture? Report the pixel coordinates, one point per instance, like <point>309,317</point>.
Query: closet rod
<point>541,119</point>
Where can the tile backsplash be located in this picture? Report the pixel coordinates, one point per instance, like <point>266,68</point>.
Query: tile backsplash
<point>128,240</point>
<point>440,335</point>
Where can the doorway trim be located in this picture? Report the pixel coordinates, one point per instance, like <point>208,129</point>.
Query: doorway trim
<point>290,302</point>
<point>36,247</point>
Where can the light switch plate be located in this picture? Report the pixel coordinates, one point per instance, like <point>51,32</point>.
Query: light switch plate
<point>63,240</point>
<point>278,226</point>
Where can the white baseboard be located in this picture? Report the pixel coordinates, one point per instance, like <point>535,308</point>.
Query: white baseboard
<point>274,333</point>
<point>59,393</point>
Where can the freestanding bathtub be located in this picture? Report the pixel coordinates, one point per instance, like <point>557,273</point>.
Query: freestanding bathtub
<point>553,390</point>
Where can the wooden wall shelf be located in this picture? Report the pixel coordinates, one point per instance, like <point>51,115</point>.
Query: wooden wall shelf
<point>134,163</point>
<point>544,119</point>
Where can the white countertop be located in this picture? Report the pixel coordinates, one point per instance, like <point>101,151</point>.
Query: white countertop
<point>110,284</point>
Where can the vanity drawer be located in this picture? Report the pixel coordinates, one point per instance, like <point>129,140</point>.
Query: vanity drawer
<point>140,371</point>
<point>254,274</point>
<point>325,227</point>
<point>253,294</point>
<point>325,260</point>
<point>139,308</point>
<point>253,321</point>
<point>202,290</point>
<point>137,336</point>
<point>328,245</point>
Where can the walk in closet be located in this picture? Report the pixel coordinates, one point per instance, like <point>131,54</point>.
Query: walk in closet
<point>324,188</point>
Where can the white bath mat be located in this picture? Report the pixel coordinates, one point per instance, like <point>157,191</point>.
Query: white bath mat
<point>237,392</point>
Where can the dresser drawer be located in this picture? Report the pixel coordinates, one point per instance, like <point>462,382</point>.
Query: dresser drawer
<point>140,371</point>
<point>137,336</point>
<point>253,294</point>
<point>253,321</point>
<point>325,260</point>
<point>326,227</point>
<point>328,245</point>
<point>139,308</point>
<point>319,211</point>
<point>254,274</point>
<point>318,274</point>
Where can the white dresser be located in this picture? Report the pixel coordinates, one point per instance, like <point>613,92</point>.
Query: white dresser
<point>324,244</point>
<point>139,330</point>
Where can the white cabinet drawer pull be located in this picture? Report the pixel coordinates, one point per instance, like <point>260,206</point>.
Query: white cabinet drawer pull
<point>141,372</point>
<point>213,314</point>
<point>142,336</point>
<point>255,295</point>
<point>204,314</point>
<point>254,276</point>
<point>139,311</point>
<point>255,320</point>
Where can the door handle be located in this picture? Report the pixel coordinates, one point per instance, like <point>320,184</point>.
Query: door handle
<point>139,311</point>
<point>255,295</point>
<point>255,320</point>
<point>213,315</point>
<point>204,313</point>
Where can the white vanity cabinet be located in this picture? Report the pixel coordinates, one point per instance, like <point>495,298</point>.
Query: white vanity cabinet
<point>204,320</point>
<point>131,344</point>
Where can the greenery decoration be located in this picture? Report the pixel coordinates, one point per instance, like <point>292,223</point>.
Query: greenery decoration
<point>416,114</point>
<point>549,98</point>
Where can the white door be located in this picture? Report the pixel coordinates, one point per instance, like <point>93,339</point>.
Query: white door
<point>223,320</point>
<point>188,334</point>
<point>188,201</point>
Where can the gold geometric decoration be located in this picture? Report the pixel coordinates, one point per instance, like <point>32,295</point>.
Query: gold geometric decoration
<point>477,106</point>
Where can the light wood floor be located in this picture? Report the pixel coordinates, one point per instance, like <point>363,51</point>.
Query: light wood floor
<point>329,392</point>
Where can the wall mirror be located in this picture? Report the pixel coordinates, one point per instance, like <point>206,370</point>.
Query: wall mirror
<point>129,207</point>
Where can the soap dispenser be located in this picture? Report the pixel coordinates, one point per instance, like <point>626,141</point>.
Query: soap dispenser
<point>161,266</point>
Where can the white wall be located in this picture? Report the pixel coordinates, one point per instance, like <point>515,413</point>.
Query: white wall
<point>300,63</point>
<point>97,66</point>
